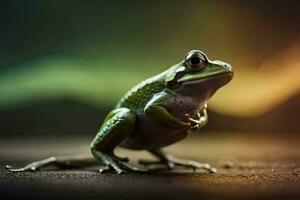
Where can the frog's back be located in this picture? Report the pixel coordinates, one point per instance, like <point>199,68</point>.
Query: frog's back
<point>138,96</point>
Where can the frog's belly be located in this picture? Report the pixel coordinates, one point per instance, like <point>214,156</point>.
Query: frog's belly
<point>148,134</point>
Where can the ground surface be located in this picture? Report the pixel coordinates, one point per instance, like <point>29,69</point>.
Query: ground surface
<point>250,166</point>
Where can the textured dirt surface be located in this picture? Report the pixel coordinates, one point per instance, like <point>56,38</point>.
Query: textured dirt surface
<point>250,166</point>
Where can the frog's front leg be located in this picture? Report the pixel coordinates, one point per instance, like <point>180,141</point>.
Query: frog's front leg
<point>156,109</point>
<point>201,120</point>
<point>117,126</point>
<point>171,161</point>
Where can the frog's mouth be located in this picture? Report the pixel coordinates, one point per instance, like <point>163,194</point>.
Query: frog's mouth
<point>228,73</point>
<point>200,76</point>
<point>210,80</point>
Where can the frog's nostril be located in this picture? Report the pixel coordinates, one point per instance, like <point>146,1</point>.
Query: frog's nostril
<point>227,65</point>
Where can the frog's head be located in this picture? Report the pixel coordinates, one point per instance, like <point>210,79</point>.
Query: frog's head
<point>197,76</point>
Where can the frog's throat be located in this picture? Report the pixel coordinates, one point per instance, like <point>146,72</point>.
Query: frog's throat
<point>203,89</point>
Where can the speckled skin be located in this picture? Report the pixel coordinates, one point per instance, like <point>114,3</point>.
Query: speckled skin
<point>189,99</point>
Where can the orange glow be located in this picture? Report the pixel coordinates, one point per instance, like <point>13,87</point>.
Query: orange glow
<point>256,91</point>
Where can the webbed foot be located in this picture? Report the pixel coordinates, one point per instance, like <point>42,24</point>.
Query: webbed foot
<point>32,166</point>
<point>170,162</point>
<point>120,167</point>
<point>58,162</point>
<point>114,163</point>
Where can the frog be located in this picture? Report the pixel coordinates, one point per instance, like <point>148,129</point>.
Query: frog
<point>155,113</point>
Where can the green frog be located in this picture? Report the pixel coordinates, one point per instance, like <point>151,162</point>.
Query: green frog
<point>155,113</point>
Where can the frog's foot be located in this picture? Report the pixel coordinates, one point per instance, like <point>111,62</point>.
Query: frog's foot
<point>171,162</point>
<point>60,162</point>
<point>114,163</point>
<point>120,167</point>
<point>32,166</point>
<point>198,122</point>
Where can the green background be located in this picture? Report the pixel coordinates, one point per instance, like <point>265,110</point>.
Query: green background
<point>70,61</point>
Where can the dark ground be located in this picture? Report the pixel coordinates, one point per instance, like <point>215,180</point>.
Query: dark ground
<point>251,166</point>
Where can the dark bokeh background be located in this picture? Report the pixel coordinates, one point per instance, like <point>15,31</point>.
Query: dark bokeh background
<point>64,64</point>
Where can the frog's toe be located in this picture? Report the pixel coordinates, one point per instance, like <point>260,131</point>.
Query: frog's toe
<point>22,169</point>
<point>197,165</point>
<point>10,168</point>
<point>130,168</point>
<point>192,164</point>
<point>111,168</point>
<point>120,167</point>
<point>169,164</point>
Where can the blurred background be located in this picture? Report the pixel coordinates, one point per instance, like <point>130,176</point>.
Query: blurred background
<point>65,64</point>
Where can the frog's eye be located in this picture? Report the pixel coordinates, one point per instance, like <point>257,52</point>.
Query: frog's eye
<point>195,61</point>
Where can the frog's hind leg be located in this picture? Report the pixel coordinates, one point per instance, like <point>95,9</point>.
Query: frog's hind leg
<point>60,162</point>
<point>116,127</point>
<point>171,161</point>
